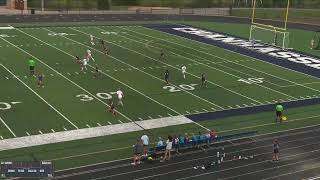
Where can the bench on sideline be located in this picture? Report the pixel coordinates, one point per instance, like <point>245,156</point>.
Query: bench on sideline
<point>201,141</point>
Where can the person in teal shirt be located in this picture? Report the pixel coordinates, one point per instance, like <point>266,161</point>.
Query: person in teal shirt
<point>279,110</point>
<point>32,64</point>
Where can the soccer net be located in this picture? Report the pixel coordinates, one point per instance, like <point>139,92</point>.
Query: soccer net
<point>270,36</point>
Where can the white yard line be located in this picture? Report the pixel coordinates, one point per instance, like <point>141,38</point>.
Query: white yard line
<point>28,87</point>
<point>63,136</point>
<point>115,78</point>
<point>300,83</point>
<point>234,92</point>
<point>146,72</point>
<point>62,74</point>
<point>235,62</point>
<point>4,123</point>
<point>211,67</point>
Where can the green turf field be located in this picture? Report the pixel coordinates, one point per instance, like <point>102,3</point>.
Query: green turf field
<point>73,100</point>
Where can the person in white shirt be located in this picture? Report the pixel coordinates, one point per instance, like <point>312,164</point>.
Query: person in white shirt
<point>184,70</point>
<point>92,40</point>
<point>167,154</point>
<point>84,64</point>
<point>120,96</point>
<point>89,55</point>
<point>145,142</point>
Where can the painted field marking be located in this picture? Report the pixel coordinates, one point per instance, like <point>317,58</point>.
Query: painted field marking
<point>232,61</point>
<point>98,124</point>
<point>140,118</point>
<point>109,122</point>
<point>40,132</point>
<point>146,72</point>
<point>60,73</point>
<point>176,68</point>
<point>65,129</point>
<point>52,130</point>
<point>160,116</point>
<point>4,123</point>
<point>120,81</point>
<point>120,121</point>
<point>211,67</point>
<point>28,134</point>
<point>33,90</point>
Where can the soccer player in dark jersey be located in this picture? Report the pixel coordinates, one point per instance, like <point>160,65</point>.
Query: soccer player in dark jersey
<point>40,80</point>
<point>97,73</point>
<point>166,76</point>
<point>161,54</point>
<point>203,80</point>
<point>112,108</point>
<point>105,48</point>
<point>78,60</point>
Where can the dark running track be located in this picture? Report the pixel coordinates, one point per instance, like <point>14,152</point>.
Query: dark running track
<point>299,159</point>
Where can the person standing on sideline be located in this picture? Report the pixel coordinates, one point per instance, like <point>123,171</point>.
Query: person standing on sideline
<point>279,110</point>
<point>276,147</point>
<point>32,65</point>
<point>137,151</point>
<point>145,142</point>
<point>167,154</point>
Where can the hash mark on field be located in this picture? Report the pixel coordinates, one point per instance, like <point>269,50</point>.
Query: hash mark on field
<point>187,112</point>
<point>281,99</point>
<point>7,78</point>
<point>76,73</point>
<point>28,133</point>
<point>230,107</point>
<point>150,67</point>
<point>40,132</point>
<point>120,121</point>
<point>268,102</point>
<point>196,111</point>
<point>65,129</point>
<point>69,74</point>
<point>245,105</point>
<point>275,101</point>
<point>99,124</point>
<point>52,130</point>
<point>149,117</point>
<point>1,137</point>
<point>88,125</point>
<point>205,110</point>
<point>25,77</point>
<point>169,114</point>
<point>213,109</point>
<point>238,106</point>
<point>160,116</point>
<point>109,122</point>
<point>51,75</point>
<point>140,118</point>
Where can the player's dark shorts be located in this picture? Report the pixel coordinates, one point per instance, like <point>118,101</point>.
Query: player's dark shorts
<point>278,113</point>
<point>31,68</point>
<point>276,151</point>
<point>40,78</point>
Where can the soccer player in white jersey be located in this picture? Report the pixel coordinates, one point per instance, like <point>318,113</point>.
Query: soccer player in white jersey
<point>84,64</point>
<point>120,96</point>
<point>92,40</point>
<point>184,70</point>
<point>89,56</point>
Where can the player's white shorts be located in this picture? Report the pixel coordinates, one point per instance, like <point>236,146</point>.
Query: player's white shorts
<point>120,98</point>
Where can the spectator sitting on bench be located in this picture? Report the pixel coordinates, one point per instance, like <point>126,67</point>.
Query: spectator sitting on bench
<point>181,139</point>
<point>186,138</point>
<point>212,135</point>
<point>160,142</point>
